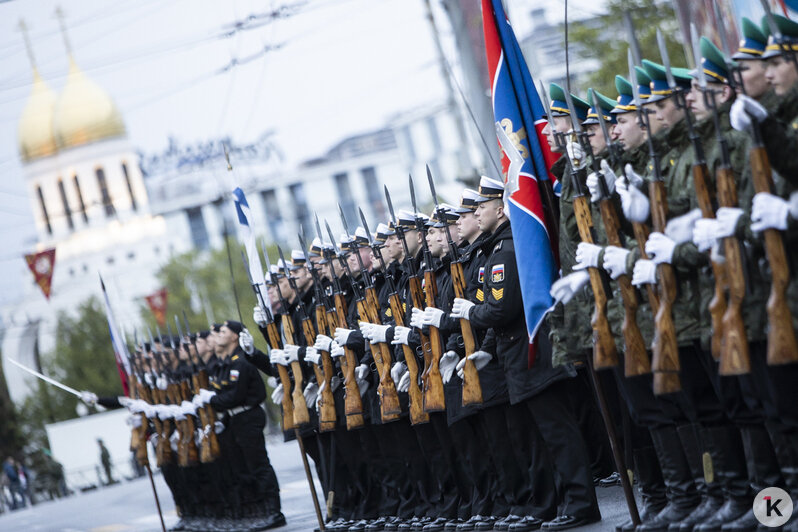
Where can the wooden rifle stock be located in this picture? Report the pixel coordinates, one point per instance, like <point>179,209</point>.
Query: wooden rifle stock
<point>386,389</point>
<point>209,448</point>
<point>301,414</point>
<point>353,404</point>
<point>665,362</point>
<point>472,389</point>
<point>635,357</point>
<point>605,354</point>
<point>282,372</point>
<point>782,344</point>
<point>327,415</point>
<point>434,398</point>
<point>717,306</point>
<point>735,358</point>
<point>138,436</point>
<point>188,438</point>
<point>163,450</point>
<point>415,396</point>
<point>641,235</point>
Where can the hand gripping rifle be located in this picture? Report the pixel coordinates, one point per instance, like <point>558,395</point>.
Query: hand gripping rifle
<point>272,335</point>
<point>605,354</point>
<point>187,452</point>
<point>782,345</point>
<point>353,404</point>
<point>734,356</point>
<point>704,195</point>
<point>434,399</point>
<point>324,372</point>
<point>416,400</point>
<point>417,412</point>
<point>472,390</point>
<point>368,309</point>
<point>636,360</point>
<point>209,443</point>
<point>665,362</point>
<point>163,450</point>
<point>301,414</point>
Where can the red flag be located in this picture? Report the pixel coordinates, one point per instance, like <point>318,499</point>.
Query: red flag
<point>157,304</point>
<point>41,264</point>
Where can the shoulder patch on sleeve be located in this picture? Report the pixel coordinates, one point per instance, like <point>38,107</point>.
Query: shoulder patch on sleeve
<point>498,293</point>
<point>481,276</point>
<point>497,273</point>
<point>233,375</point>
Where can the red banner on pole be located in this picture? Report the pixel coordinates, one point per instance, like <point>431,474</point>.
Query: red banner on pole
<point>157,304</point>
<point>42,264</point>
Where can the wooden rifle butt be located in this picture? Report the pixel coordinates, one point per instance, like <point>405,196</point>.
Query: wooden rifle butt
<point>301,414</point>
<point>635,361</point>
<point>287,402</point>
<point>666,382</point>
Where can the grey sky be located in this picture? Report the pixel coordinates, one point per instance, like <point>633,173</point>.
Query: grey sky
<point>344,66</point>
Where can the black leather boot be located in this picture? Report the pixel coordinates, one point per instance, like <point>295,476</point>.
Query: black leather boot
<point>680,489</point>
<point>651,486</point>
<point>785,443</point>
<point>725,446</point>
<point>711,492</point>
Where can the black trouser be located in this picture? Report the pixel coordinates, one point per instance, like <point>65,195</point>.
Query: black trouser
<point>414,497</point>
<point>472,469</point>
<point>550,409</point>
<point>257,478</point>
<point>588,416</point>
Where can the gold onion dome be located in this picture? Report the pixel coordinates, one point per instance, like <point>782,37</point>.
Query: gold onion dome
<point>35,131</point>
<point>84,112</point>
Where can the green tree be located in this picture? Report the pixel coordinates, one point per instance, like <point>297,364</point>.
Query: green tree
<point>11,440</point>
<point>606,39</point>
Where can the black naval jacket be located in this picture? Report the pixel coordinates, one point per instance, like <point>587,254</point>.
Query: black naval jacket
<point>240,383</point>
<point>503,312</point>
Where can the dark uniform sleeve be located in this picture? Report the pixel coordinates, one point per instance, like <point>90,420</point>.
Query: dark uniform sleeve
<point>243,391</point>
<point>260,360</point>
<point>503,304</point>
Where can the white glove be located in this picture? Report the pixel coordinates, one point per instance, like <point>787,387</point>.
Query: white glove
<point>162,383</point>
<point>312,356</point>
<point>133,421</point>
<point>361,372</point>
<point>727,221</point>
<point>417,318</point>
<point>277,356</point>
<point>197,401</point>
<point>125,400</point>
<point>400,335</point>
<point>404,382</point>
<point>680,229</point>
<point>150,412</point>
<point>246,342</point>
<point>660,248</point>
<point>633,177</point>
<point>206,395</point>
<point>164,412</point>
<point>138,406</point>
<point>342,335</point>
<point>259,316</point>
<point>291,353</point>
<point>593,184</point>
<point>634,203</point>
<point>336,350</point>
<point>645,272</point>
<point>576,154</point>
<point>277,395</point>
<point>149,379</point>
<point>188,408</point>
<point>322,342</point>
<point>397,371</point>
<point>461,308</point>
<point>90,398</point>
<point>769,212</point>
<point>479,358</point>
<point>744,110</point>
<point>564,289</point>
<point>615,260</point>
<point>366,329</point>
<point>310,392</point>
<point>218,427</point>
<point>448,362</point>
<point>177,413</point>
<point>379,333</point>
<point>587,256</point>
<point>432,317</point>
<point>704,233</point>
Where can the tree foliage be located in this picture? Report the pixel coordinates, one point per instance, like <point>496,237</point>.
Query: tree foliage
<point>11,440</point>
<point>606,39</point>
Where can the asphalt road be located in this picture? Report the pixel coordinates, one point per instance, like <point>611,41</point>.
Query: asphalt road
<point>130,507</point>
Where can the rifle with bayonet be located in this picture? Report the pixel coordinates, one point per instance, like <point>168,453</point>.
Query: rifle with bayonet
<point>472,390</point>
<point>273,338</point>
<point>734,355</point>
<point>187,452</point>
<point>138,436</point>
<point>665,362</point>
<point>605,354</point>
<point>636,360</point>
<point>323,372</point>
<point>704,196</point>
<point>163,449</point>
<point>353,404</point>
<point>782,344</point>
<point>368,308</point>
<point>301,414</point>
<point>434,399</point>
<point>415,395</point>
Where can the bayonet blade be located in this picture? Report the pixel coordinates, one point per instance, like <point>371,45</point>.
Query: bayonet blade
<point>318,229</point>
<point>633,42</point>
<point>343,221</point>
<point>185,319</point>
<point>774,28</point>
<point>432,187</point>
<point>597,107</point>
<point>666,60</point>
<point>697,54</point>
<point>390,204</point>
<point>332,237</point>
<point>282,259</point>
<point>633,81</point>
<point>572,111</point>
<point>413,196</point>
<point>303,245</point>
<point>171,338</point>
<point>724,37</point>
<point>179,328</point>
<point>365,225</point>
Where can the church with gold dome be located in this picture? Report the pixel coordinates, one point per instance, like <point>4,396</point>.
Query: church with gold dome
<point>89,202</point>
